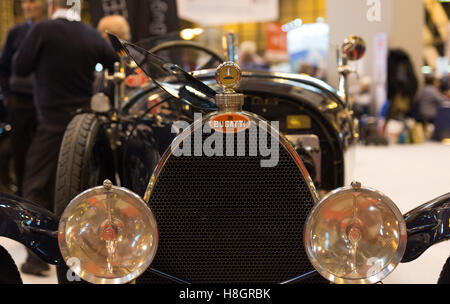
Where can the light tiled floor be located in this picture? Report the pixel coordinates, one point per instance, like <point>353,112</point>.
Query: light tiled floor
<point>409,174</point>
<point>18,253</point>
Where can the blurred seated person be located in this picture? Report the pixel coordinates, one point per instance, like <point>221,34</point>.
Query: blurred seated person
<point>307,68</point>
<point>311,69</point>
<point>429,100</point>
<point>249,59</point>
<point>445,85</point>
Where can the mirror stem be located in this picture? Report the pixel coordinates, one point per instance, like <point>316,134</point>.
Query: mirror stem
<point>344,71</point>
<point>229,42</point>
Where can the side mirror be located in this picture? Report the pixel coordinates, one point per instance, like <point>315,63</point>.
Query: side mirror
<point>354,48</point>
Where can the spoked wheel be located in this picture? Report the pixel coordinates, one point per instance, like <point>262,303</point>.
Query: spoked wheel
<point>189,55</point>
<point>85,160</point>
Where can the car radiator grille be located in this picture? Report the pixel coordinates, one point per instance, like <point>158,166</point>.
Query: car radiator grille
<point>228,220</point>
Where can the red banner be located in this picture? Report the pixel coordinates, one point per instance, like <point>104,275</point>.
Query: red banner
<point>276,41</point>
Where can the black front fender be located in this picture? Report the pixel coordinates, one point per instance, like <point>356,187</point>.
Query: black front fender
<point>427,225</point>
<point>31,225</point>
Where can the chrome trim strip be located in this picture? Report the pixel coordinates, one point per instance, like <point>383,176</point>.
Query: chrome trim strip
<point>67,254</point>
<point>167,276</point>
<point>395,259</point>
<point>288,76</point>
<point>300,277</point>
<point>180,281</point>
<point>255,118</point>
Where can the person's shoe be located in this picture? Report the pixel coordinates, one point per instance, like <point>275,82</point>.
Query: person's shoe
<point>35,266</point>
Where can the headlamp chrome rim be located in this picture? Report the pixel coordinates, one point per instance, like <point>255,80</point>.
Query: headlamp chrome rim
<point>75,267</point>
<point>388,268</point>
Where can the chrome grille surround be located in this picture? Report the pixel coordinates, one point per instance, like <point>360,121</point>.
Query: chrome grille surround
<point>224,219</point>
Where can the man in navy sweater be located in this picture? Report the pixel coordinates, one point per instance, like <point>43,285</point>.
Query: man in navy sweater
<point>62,53</point>
<point>18,91</point>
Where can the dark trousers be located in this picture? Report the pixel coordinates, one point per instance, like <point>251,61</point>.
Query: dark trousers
<point>41,164</point>
<point>22,118</point>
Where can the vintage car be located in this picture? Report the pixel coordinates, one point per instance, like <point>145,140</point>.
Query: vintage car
<point>219,176</point>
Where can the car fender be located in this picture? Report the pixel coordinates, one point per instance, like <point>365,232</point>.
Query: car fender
<point>30,225</point>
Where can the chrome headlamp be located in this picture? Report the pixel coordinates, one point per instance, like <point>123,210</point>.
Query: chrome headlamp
<point>108,235</point>
<point>355,235</point>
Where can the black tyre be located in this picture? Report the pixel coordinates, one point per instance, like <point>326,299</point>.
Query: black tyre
<point>9,274</point>
<point>444,277</point>
<point>85,160</point>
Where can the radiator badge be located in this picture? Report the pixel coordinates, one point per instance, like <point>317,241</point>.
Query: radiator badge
<point>229,123</point>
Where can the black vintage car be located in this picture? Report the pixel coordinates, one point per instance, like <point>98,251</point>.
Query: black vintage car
<point>146,192</point>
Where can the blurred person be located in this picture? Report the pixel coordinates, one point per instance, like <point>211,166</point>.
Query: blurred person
<point>119,26</point>
<point>307,68</point>
<point>402,85</point>
<point>62,53</point>
<point>2,108</point>
<point>445,85</point>
<point>249,59</point>
<point>116,25</point>
<point>18,91</point>
<point>429,100</point>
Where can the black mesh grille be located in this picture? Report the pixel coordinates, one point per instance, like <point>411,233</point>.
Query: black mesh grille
<point>227,219</point>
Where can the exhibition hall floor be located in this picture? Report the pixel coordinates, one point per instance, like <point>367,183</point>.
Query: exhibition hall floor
<point>409,174</point>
